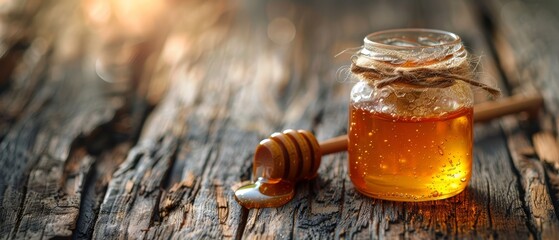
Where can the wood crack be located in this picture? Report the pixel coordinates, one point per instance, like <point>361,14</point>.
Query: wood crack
<point>20,211</point>
<point>488,204</point>
<point>522,194</point>
<point>552,185</point>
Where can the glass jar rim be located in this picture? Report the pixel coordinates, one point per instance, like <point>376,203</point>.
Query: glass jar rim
<point>372,40</point>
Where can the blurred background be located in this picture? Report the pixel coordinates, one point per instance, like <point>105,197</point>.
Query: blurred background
<point>172,95</point>
<point>136,45</point>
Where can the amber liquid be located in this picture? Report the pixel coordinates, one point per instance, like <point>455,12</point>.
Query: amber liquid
<point>410,159</point>
<point>260,194</point>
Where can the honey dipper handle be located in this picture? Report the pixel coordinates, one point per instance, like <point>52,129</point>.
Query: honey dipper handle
<point>334,145</point>
<point>518,103</point>
<point>482,112</point>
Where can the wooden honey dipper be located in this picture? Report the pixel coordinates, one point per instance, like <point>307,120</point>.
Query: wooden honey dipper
<point>288,157</point>
<point>291,156</point>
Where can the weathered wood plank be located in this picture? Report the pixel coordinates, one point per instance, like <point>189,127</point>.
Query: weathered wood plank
<point>22,57</point>
<point>527,45</point>
<point>542,218</point>
<point>315,210</point>
<point>51,168</point>
<point>232,80</point>
<point>46,158</point>
<point>51,209</point>
<point>45,164</point>
<point>527,62</point>
<point>26,79</point>
<point>179,149</point>
<point>95,187</point>
<point>17,30</point>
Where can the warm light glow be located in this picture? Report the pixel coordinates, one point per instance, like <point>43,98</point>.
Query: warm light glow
<point>132,17</point>
<point>7,5</point>
<point>281,30</point>
<point>139,15</point>
<point>98,11</point>
<point>125,28</point>
<point>175,47</point>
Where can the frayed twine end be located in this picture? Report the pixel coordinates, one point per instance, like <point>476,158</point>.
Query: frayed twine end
<point>384,74</point>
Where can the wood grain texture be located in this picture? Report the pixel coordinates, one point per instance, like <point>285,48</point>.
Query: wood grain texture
<point>44,163</point>
<point>95,188</point>
<point>527,63</point>
<point>78,160</point>
<point>174,183</point>
<point>55,175</point>
<point>538,201</point>
<point>25,82</point>
<point>17,21</point>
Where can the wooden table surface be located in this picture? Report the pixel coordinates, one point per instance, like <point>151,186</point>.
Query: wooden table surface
<point>137,119</point>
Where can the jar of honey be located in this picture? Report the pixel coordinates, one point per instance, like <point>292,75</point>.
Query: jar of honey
<point>410,116</point>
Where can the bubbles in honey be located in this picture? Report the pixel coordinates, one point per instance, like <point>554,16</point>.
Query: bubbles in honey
<point>428,171</point>
<point>440,150</point>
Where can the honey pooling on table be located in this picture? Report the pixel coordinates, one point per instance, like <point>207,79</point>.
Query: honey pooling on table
<point>261,194</point>
<point>279,162</point>
<point>410,159</point>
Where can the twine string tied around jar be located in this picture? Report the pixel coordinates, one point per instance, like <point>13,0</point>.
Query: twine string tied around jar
<point>384,74</point>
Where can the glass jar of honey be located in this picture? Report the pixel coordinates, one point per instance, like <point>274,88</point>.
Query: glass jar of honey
<point>410,117</point>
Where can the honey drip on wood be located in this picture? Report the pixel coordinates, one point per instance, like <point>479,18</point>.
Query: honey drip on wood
<point>279,162</point>
<point>261,194</point>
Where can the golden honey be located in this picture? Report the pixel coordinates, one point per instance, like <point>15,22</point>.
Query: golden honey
<point>262,195</point>
<point>410,159</point>
<point>410,116</point>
